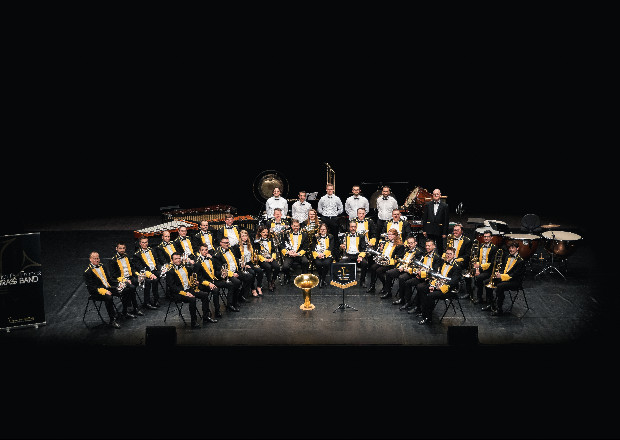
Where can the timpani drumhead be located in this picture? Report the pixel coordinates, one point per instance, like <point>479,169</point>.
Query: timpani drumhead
<point>561,243</point>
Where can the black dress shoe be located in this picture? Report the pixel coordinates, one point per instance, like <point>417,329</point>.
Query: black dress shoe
<point>363,284</point>
<point>398,301</point>
<point>137,312</point>
<point>497,312</point>
<point>425,321</point>
<point>156,304</point>
<point>150,306</point>
<point>414,310</point>
<point>243,299</point>
<point>371,289</point>
<point>128,315</point>
<point>232,308</point>
<point>115,324</point>
<point>209,319</point>
<point>386,295</point>
<point>195,324</point>
<point>485,308</point>
<point>464,296</point>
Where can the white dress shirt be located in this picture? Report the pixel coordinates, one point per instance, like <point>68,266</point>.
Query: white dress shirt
<point>353,203</point>
<point>385,207</point>
<point>300,210</point>
<point>330,206</point>
<point>276,202</point>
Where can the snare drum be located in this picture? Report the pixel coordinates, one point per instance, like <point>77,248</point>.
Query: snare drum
<point>497,237</point>
<point>561,243</point>
<point>527,243</point>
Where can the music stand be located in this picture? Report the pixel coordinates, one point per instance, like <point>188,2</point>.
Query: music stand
<point>344,276</point>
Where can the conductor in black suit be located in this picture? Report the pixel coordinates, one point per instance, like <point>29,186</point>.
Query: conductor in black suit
<point>435,220</point>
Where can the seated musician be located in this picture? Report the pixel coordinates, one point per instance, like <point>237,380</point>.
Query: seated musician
<point>403,227</point>
<point>164,250</point>
<point>462,252</point>
<point>249,262</point>
<point>241,281</point>
<point>366,226</point>
<point>404,269</point>
<point>431,261</point>
<point>99,285</point>
<point>391,249</point>
<point>322,247</point>
<point>311,225</point>
<point>145,263</point>
<point>229,231</point>
<point>294,250</point>
<point>210,284</point>
<point>267,256</point>
<point>509,276</point>
<point>204,236</point>
<point>183,245</point>
<point>278,223</point>
<point>179,286</point>
<point>433,289</point>
<point>353,249</point>
<point>125,280</point>
<point>483,268</point>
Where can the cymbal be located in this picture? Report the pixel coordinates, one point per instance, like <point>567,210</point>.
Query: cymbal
<point>550,226</point>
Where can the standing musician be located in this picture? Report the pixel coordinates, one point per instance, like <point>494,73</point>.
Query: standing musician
<point>300,208</point>
<point>183,245</point>
<point>99,285</point>
<point>294,250</point>
<point>249,262</point>
<point>509,275</point>
<point>330,207</point>
<point>229,230</point>
<point>431,262</point>
<point>385,205</point>
<point>403,227</point>
<point>122,272</point>
<point>355,202</point>
<point>179,286</point>
<point>210,284</point>
<point>353,249</point>
<point>164,250</point>
<point>144,261</point>
<point>276,201</point>
<point>462,252</point>
<point>404,269</point>
<point>483,267</point>
<point>434,289</point>
<point>322,247</point>
<point>435,220</point>
<point>391,249</point>
<point>241,281</point>
<point>267,259</point>
<point>204,236</point>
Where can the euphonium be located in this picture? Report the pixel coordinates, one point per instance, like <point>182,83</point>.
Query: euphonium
<point>498,258</point>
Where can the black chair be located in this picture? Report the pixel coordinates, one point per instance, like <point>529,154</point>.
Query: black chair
<point>530,223</point>
<point>518,290</point>
<point>97,303</point>
<point>450,298</point>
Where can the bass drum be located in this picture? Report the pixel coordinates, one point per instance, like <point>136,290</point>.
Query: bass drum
<point>561,243</point>
<point>497,237</point>
<point>527,243</point>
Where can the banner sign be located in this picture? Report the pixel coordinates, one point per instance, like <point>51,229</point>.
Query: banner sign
<point>21,288</point>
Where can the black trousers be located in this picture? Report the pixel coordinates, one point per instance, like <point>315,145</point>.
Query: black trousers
<point>479,282</point>
<point>323,266</point>
<point>210,295</point>
<point>108,300</point>
<point>411,285</point>
<point>271,270</point>
<point>128,296</point>
<point>302,260</point>
<point>257,273</point>
<point>378,271</point>
<point>361,267</point>
<point>151,287</point>
<point>428,299</point>
<point>189,300</point>
<point>500,291</point>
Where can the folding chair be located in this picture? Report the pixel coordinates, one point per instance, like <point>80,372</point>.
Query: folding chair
<point>514,298</point>
<point>449,299</point>
<point>97,303</point>
<point>179,306</point>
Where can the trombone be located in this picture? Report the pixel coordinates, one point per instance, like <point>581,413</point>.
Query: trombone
<point>498,257</point>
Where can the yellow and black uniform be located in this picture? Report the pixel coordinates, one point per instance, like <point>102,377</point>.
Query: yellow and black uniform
<point>391,252</point>
<point>180,288</point>
<point>164,251</point>
<point>486,257</point>
<point>322,245</point>
<point>267,249</point>
<point>450,269</point>
<point>97,280</point>
<point>294,242</point>
<point>512,271</point>
<point>431,262</point>
<point>122,272</point>
<point>144,260</point>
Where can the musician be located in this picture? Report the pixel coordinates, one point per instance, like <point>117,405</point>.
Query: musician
<point>353,247</point>
<point>241,281</point>
<point>329,208</point>
<point>210,284</point>
<point>391,249</point>
<point>509,276</point>
<point>322,247</point>
<point>183,245</point>
<point>403,227</point>
<point>294,250</point>
<point>300,208</point>
<point>431,260</point>
<point>179,287</point>
<point>404,270</point>
<point>123,272</point>
<point>276,201</point>
<point>267,256</point>
<point>145,262</point>
<point>367,226</point>
<point>249,262</point>
<point>99,285</point>
<point>204,236</point>
<point>385,205</point>
<point>431,290</point>
<point>462,253</point>
<point>484,266</point>
<point>311,225</point>
<point>229,230</point>
<point>435,220</point>
<point>355,202</point>
<point>278,222</point>
<point>164,250</point>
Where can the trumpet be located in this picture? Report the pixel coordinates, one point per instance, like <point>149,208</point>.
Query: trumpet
<point>164,269</point>
<point>141,278</point>
<point>473,258</point>
<point>498,258</point>
<point>224,271</point>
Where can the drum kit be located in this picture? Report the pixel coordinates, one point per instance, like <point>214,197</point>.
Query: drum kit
<point>556,242</point>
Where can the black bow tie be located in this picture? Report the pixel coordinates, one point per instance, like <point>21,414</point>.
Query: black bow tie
<point>436,203</point>
<point>96,266</point>
<point>355,198</point>
<point>385,198</point>
<point>295,233</point>
<point>229,227</point>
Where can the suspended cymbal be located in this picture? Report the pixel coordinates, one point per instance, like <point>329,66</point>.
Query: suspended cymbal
<point>550,226</point>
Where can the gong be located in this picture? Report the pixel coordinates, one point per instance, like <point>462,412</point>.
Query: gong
<point>266,181</point>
